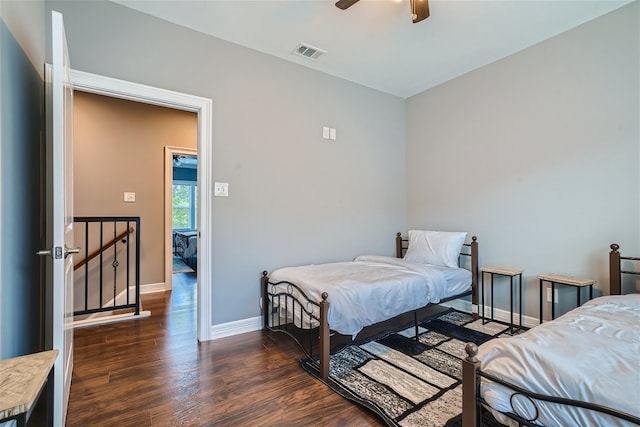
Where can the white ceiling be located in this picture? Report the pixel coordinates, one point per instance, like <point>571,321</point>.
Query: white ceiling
<point>374,43</point>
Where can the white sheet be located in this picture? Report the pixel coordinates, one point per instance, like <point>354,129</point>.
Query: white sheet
<point>590,354</point>
<point>370,289</point>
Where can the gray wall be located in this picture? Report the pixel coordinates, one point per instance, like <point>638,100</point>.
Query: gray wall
<point>537,154</point>
<point>537,139</point>
<point>294,197</point>
<point>21,173</point>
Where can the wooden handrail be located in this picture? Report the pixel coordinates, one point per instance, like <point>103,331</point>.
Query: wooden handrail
<point>105,246</point>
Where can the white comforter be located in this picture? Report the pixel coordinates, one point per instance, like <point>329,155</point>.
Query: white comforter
<point>590,354</point>
<point>371,288</point>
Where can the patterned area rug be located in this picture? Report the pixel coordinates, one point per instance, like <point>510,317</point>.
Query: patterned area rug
<point>411,383</point>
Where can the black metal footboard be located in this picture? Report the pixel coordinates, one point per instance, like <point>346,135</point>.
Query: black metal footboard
<point>287,309</point>
<point>474,404</point>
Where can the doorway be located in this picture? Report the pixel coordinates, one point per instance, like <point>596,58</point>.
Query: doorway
<point>180,212</point>
<point>101,85</point>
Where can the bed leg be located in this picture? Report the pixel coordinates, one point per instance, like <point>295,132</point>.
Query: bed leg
<point>474,274</point>
<point>324,337</point>
<point>470,412</point>
<point>264,282</point>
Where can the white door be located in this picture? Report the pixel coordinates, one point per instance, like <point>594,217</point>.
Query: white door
<point>61,212</point>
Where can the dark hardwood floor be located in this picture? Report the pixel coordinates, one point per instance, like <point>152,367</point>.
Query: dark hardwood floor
<point>154,372</point>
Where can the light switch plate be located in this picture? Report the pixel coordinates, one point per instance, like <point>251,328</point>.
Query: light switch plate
<point>129,197</point>
<point>221,189</point>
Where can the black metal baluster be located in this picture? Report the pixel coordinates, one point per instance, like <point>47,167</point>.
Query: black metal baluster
<point>137,231</point>
<point>128,258</point>
<point>86,265</point>
<point>115,264</point>
<point>101,261</point>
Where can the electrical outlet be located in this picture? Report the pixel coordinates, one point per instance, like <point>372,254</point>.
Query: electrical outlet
<point>555,299</point>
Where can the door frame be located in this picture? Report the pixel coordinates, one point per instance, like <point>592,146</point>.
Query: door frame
<point>168,210</point>
<point>101,85</point>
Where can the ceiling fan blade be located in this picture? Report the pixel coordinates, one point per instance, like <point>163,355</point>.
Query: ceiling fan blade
<point>345,4</point>
<point>419,10</point>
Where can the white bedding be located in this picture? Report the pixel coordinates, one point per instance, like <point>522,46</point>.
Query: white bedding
<point>590,354</point>
<point>192,247</point>
<point>371,288</point>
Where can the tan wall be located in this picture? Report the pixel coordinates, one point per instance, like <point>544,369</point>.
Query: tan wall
<point>118,147</point>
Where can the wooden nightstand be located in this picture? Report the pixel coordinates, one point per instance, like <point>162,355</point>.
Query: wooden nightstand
<point>561,279</point>
<point>507,272</point>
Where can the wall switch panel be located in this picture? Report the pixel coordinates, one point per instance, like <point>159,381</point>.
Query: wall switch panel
<point>329,133</point>
<point>221,189</point>
<point>129,197</point>
<point>326,132</point>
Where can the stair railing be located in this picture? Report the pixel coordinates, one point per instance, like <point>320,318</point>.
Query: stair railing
<point>109,255</point>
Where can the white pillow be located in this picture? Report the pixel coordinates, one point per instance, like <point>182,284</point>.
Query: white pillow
<point>435,247</point>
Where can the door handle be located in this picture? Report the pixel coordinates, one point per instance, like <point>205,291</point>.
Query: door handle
<point>56,252</point>
<point>45,252</point>
<point>69,251</point>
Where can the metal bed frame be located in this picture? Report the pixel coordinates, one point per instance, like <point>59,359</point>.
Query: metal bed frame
<point>317,340</point>
<point>472,402</point>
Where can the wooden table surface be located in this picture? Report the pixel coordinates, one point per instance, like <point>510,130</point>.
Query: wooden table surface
<point>21,381</point>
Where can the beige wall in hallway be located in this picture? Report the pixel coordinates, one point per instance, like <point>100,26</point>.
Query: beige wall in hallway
<point>119,147</point>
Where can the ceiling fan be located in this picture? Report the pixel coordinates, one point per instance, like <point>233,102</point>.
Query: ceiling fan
<point>419,8</point>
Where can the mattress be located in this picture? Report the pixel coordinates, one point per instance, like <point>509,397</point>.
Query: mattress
<point>589,354</point>
<point>365,291</point>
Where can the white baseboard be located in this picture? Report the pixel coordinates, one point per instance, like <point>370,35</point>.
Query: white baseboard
<point>151,288</point>
<point>236,327</point>
<point>499,314</point>
<point>109,319</point>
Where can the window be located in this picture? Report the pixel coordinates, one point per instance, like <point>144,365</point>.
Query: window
<point>184,205</point>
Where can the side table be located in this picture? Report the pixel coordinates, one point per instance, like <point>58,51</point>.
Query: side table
<point>507,272</point>
<point>21,382</point>
<point>561,279</point>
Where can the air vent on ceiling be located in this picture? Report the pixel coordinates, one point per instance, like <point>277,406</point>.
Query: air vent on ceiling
<point>308,51</point>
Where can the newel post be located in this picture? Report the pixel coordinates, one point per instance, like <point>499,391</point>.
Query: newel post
<point>324,336</point>
<point>470,387</point>
<point>615,278</point>
<point>399,245</point>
